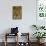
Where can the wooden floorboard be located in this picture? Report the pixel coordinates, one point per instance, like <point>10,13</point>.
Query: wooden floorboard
<point>13,44</point>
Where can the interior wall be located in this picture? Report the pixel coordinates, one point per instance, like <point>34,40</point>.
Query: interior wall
<point>28,15</point>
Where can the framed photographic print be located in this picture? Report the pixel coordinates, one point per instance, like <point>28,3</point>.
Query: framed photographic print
<point>41,8</point>
<point>41,12</point>
<point>17,12</point>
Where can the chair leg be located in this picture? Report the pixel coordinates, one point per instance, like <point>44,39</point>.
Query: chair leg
<point>17,39</point>
<point>5,43</point>
<point>5,40</point>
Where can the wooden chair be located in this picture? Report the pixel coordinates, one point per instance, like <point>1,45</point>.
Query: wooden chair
<point>27,37</point>
<point>6,36</point>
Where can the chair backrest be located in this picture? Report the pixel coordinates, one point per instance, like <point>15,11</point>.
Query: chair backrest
<point>14,30</point>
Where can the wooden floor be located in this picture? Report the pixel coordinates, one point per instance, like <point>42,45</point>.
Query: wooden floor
<point>13,44</point>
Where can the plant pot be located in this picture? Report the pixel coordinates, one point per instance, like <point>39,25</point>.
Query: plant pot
<point>40,41</point>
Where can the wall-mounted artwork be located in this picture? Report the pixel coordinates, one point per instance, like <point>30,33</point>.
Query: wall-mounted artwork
<point>17,12</point>
<point>41,8</point>
<point>41,12</point>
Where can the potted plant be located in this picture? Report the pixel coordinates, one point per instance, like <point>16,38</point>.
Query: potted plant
<point>39,35</point>
<point>35,26</point>
<point>38,27</point>
<point>42,27</point>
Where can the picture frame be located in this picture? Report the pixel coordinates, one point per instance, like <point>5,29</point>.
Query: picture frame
<point>17,12</point>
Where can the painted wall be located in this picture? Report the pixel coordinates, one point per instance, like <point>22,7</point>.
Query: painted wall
<point>28,15</point>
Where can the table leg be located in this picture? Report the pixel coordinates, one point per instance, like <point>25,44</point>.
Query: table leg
<point>5,40</point>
